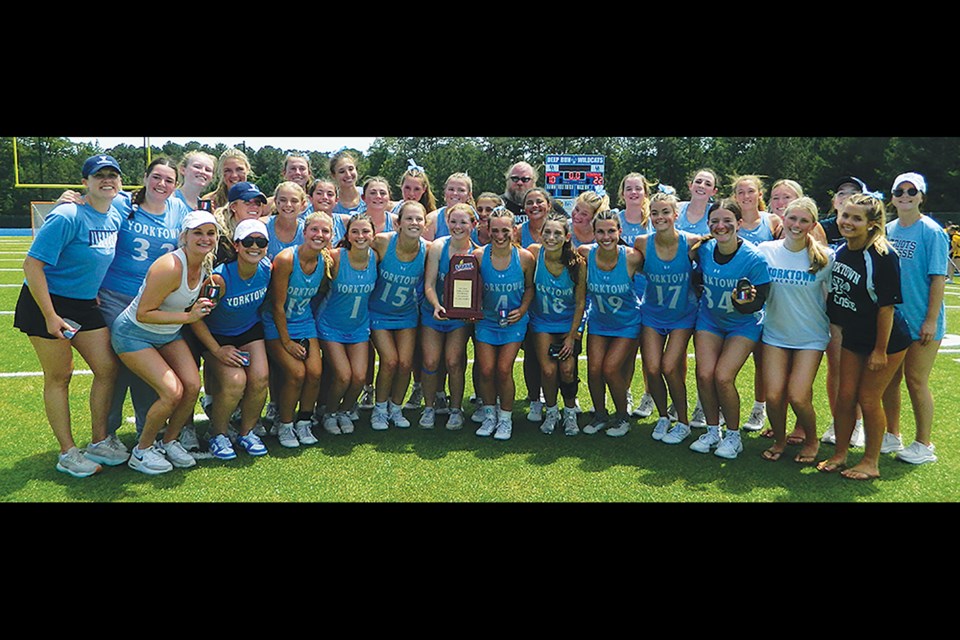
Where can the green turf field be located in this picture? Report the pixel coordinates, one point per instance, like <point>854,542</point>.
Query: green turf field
<point>416,465</point>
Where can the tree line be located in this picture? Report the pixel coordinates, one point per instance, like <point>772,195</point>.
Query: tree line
<point>814,162</point>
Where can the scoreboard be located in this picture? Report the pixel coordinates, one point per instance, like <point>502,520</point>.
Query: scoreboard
<point>567,176</point>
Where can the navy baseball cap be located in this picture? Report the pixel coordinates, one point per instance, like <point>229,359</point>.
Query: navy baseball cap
<point>245,191</point>
<point>95,163</point>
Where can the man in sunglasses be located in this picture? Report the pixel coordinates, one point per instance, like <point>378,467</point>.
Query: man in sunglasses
<point>521,177</point>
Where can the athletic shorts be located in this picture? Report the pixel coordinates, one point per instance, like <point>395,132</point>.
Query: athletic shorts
<point>497,336</point>
<point>29,319</point>
<point>252,334</point>
<point>752,331</point>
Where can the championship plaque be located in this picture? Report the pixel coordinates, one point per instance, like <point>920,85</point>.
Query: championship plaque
<point>462,290</point>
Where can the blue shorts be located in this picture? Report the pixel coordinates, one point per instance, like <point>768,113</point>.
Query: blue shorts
<point>125,336</point>
<point>393,322</point>
<point>610,331</point>
<point>496,335</point>
<point>443,326</point>
<point>664,326</point>
<point>305,328</point>
<point>751,330</point>
<point>343,336</point>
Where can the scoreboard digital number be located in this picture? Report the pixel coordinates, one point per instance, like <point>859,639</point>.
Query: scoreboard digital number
<point>567,176</point>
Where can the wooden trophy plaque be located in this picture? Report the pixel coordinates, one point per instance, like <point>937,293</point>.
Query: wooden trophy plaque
<point>463,289</point>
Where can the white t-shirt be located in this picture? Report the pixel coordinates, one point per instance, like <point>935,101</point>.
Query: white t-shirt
<point>796,311</point>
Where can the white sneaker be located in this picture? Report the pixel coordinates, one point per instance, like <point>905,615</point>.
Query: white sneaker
<point>76,464</point>
<point>188,438</point>
<point>620,428</point>
<point>730,447</point>
<point>104,452</point>
<point>598,423</point>
<point>646,407</point>
<point>576,406</point>
<point>489,424</point>
<point>395,415</point>
<point>677,434</point>
<point>428,417</point>
<point>366,397</point>
<point>917,453</point>
<point>416,397</point>
<point>441,404</point>
<point>330,424</point>
<point>345,422</point>
<point>286,435</point>
<point>535,413</point>
<point>176,454</point>
<point>117,443</point>
<point>304,435</point>
<point>570,426</point>
<point>550,421</point>
<point>661,428</point>
<point>455,421</point>
<point>354,414</point>
<point>857,439</point>
<point>150,462</point>
<point>698,419</point>
<point>710,440</point>
<point>830,435</point>
<point>672,413</point>
<point>259,430</point>
<point>891,443</point>
<point>504,430</point>
<point>379,420</point>
<point>758,416</point>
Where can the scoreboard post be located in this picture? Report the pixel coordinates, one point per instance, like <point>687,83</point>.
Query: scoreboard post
<point>567,176</point>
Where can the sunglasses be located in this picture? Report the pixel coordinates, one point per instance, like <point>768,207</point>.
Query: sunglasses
<point>523,179</point>
<point>912,191</point>
<point>249,242</point>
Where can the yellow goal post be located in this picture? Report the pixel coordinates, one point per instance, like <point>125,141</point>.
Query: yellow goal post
<point>34,185</point>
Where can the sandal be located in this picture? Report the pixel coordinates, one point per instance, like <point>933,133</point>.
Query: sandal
<point>854,474</point>
<point>771,455</point>
<point>826,466</point>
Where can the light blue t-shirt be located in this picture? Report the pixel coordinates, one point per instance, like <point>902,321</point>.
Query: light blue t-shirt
<point>143,237</point>
<point>76,244</point>
<point>923,248</point>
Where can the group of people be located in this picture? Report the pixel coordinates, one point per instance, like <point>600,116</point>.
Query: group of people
<point>329,296</point>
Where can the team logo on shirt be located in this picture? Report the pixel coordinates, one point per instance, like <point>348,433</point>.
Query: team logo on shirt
<point>102,238</point>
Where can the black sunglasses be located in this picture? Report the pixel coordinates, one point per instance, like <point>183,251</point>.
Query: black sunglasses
<point>523,179</point>
<point>912,191</point>
<point>249,242</point>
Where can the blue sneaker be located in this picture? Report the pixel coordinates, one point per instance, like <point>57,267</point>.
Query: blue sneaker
<point>252,444</point>
<point>221,448</point>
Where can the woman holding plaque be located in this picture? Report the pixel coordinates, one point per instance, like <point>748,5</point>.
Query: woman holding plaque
<point>443,339</point>
<point>507,274</point>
